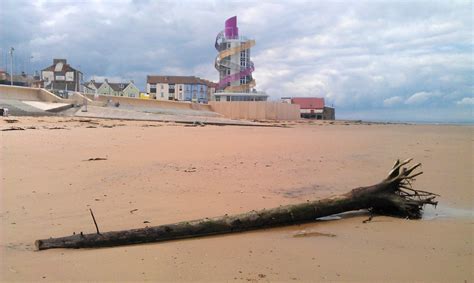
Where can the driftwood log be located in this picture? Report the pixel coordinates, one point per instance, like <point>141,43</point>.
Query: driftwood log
<point>393,196</point>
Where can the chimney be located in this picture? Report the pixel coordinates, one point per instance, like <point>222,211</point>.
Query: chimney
<point>55,61</point>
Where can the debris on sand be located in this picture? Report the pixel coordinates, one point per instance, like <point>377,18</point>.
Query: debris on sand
<point>95,159</point>
<point>56,128</point>
<point>195,124</point>
<point>13,129</point>
<point>304,234</point>
<point>10,121</point>
<point>392,196</point>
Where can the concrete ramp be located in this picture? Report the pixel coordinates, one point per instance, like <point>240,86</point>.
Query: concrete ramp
<point>121,114</point>
<point>18,108</point>
<point>48,106</point>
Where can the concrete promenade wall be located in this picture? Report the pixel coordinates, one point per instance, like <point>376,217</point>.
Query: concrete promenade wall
<point>257,110</point>
<point>27,93</point>
<point>137,102</point>
<point>78,98</point>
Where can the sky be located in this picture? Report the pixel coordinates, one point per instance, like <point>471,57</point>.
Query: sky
<point>371,60</point>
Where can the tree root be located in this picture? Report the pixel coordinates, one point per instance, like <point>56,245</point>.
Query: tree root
<point>395,195</point>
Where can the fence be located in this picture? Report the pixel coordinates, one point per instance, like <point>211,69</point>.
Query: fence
<point>257,110</point>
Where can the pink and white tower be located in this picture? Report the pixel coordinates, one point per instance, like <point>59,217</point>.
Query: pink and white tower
<point>234,65</point>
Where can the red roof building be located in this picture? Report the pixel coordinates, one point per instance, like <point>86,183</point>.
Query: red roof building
<point>312,107</point>
<point>309,102</point>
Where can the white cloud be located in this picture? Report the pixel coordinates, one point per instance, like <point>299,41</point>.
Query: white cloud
<point>392,101</point>
<point>360,56</point>
<point>420,98</point>
<point>49,40</point>
<point>466,101</point>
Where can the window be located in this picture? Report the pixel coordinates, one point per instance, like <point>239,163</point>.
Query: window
<point>228,98</point>
<point>162,94</point>
<point>161,86</point>
<point>152,88</point>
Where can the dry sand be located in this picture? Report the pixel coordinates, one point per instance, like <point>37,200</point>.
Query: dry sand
<point>163,173</point>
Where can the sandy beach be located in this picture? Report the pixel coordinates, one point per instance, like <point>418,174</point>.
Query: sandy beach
<point>157,173</point>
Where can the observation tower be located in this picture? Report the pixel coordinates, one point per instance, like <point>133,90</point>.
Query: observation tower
<point>234,66</point>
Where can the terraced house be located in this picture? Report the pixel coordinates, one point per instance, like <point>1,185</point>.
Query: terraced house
<point>91,87</point>
<point>181,88</point>
<point>113,89</point>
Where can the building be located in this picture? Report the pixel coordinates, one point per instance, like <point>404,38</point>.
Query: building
<point>240,96</point>
<point>37,83</point>
<point>234,66</point>
<point>112,89</point>
<point>18,80</point>
<point>119,89</point>
<point>180,88</point>
<point>211,90</point>
<point>312,107</point>
<point>62,77</point>
<point>92,87</point>
<point>5,78</point>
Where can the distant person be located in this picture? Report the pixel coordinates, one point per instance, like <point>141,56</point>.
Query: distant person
<point>117,104</point>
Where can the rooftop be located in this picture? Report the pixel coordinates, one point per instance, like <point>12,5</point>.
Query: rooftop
<point>308,102</point>
<point>178,80</point>
<point>253,93</point>
<point>60,65</point>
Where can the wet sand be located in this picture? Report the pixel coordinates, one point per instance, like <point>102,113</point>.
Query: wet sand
<point>163,172</point>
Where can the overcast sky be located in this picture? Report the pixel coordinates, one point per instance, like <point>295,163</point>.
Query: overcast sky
<point>379,60</point>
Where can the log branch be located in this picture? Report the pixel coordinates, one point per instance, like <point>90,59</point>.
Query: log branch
<point>95,223</point>
<point>393,196</point>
